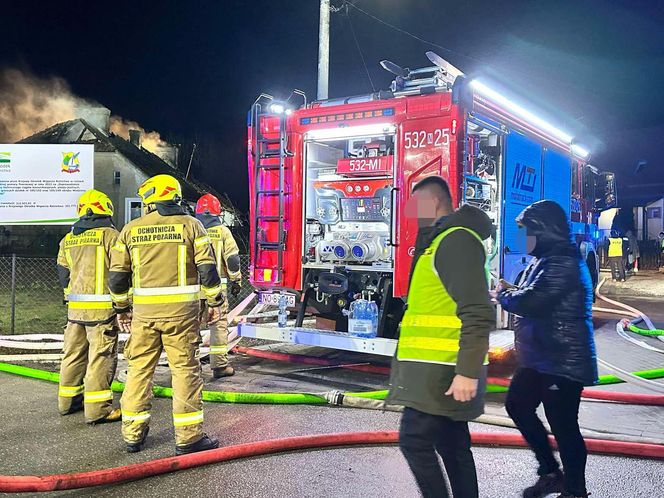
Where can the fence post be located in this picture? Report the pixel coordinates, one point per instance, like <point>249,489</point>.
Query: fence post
<point>13,296</point>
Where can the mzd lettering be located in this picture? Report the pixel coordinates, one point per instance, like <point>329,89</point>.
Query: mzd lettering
<point>154,234</point>
<point>524,177</point>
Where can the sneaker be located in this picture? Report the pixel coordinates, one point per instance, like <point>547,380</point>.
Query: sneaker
<point>219,373</point>
<point>114,416</point>
<point>203,444</point>
<point>545,485</point>
<point>137,446</point>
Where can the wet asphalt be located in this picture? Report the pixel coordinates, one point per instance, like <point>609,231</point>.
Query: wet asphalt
<point>35,440</point>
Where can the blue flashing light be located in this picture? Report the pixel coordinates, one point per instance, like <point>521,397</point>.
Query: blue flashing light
<point>388,112</point>
<point>305,121</point>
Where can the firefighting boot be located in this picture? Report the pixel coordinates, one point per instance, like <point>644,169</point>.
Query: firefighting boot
<point>545,485</point>
<point>219,373</point>
<point>76,406</point>
<point>137,446</point>
<point>114,416</point>
<point>203,444</point>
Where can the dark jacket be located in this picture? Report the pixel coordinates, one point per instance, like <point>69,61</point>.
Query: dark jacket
<point>459,261</point>
<point>553,304</point>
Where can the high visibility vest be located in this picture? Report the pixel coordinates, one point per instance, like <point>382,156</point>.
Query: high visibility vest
<point>430,329</point>
<point>615,247</point>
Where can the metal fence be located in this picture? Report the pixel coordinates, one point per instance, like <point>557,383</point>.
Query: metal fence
<point>31,297</point>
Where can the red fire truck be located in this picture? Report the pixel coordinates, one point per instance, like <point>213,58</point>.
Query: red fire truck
<point>329,182</point>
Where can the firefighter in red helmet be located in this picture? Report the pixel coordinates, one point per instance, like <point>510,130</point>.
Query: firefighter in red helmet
<point>208,211</point>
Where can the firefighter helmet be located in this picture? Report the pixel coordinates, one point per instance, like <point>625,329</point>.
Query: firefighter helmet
<point>94,202</point>
<point>160,188</point>
<point>208,204</point>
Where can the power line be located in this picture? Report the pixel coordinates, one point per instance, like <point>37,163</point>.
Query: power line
<point>408,33</point>
<point>357,44</point>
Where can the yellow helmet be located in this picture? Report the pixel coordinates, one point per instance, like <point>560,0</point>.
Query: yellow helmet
<point>94,202</point>
<point>160,188</point>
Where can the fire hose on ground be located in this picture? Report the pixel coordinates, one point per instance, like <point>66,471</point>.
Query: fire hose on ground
<point>171,464</point>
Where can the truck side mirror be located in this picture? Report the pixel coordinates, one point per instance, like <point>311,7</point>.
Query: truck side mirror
<point>605,191</point>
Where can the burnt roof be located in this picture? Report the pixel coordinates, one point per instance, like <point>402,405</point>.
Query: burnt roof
<point>80,131</point>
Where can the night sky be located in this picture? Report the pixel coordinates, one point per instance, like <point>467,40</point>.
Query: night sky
<point>191,69</point>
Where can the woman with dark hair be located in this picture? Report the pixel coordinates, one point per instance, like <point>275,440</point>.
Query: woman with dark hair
<point>555,348</point>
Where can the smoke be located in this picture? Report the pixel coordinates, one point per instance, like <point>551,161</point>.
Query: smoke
<point>150,140</point>
<point>29,104</point>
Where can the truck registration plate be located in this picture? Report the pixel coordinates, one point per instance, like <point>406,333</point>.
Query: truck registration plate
<point>272,298</point>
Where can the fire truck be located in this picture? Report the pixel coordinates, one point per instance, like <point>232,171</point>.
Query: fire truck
<point>329,183</point>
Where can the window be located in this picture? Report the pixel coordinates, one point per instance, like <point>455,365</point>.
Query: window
<point>133,208</point>
<point>116,177</point>
<point>653,213</point>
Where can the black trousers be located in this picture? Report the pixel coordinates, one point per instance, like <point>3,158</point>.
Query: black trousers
<point>421,436</point>
<point>561,398</point>
<point>617,268</point>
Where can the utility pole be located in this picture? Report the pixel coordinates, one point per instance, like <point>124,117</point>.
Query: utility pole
<point>324,50</point>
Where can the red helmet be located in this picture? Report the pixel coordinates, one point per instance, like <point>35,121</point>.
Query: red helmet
<point>208,204</point>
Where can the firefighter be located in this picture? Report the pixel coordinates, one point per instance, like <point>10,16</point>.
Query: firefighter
<point>164,255</point>
<point>91,335</point>
<point>208,212</point>
<point>616,257</point>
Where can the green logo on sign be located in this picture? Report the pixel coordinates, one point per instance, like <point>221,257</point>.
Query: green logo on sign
<point>5,157</point>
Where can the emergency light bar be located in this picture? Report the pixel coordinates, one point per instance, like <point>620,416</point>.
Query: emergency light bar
<point>351,131</point>
<point>527,115</point>
<point>580,151</point>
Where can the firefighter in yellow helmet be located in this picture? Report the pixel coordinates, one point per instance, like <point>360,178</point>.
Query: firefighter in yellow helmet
<point>167,256</point>
<point>91,336</point>
<point>208,211</point>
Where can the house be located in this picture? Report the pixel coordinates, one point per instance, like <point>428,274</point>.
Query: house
<point>649,219</point>
<point>121,166</point>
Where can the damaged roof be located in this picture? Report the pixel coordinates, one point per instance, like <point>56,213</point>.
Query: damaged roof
<point>80,131</point>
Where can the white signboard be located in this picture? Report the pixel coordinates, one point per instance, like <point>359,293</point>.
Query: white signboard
<point>41,184</point>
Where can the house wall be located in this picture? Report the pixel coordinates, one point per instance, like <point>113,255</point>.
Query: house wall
<point>106,165</point>
<point>655,225</point>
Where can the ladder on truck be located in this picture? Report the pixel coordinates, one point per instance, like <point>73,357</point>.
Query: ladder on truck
<point>269,155</point>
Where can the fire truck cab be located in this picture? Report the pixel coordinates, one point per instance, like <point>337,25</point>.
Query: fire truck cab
<point>329,183</point>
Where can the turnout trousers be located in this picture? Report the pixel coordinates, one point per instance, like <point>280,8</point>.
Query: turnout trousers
<point>180,338</point>
<point>219,337</point>
<point>87,369</point>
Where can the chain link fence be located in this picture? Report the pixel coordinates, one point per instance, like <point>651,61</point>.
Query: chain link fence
<point>31,299</point>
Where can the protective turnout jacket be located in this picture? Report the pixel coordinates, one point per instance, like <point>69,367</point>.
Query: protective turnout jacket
<point>167,259</point>
<point>225,248</point>
<point>83,270</point>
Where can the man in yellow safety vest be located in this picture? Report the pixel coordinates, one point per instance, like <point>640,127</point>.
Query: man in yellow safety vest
<point>439,371</point>
<point>616,257</point>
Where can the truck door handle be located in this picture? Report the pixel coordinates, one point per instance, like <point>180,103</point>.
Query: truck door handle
<point>393,217</point>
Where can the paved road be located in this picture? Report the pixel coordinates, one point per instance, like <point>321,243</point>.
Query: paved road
<point>35,440</point>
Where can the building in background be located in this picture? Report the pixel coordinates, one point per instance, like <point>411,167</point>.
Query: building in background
<point>121,166</point>
<point>649,219</point>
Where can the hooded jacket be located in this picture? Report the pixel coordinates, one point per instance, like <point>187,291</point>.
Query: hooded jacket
<point>553,300</point>
<point>459,262</point>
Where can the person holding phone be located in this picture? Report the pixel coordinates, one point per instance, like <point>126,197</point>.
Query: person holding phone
<point>555,348</point>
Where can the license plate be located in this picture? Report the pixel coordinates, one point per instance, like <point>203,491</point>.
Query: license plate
<point>272,298</point>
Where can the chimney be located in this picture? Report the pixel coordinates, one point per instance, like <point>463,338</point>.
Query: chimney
<point>135,137</point>
<point>98,117</point>
<point>168,153</point>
